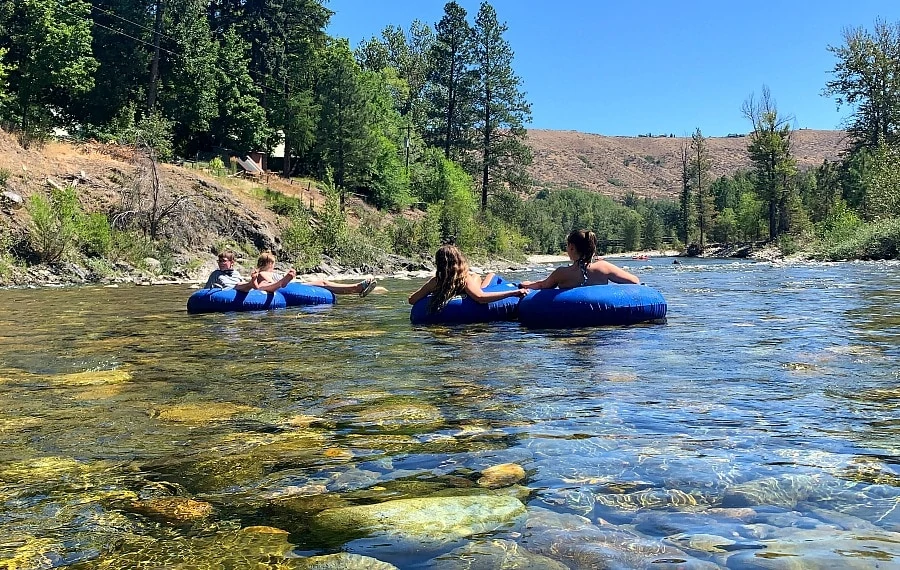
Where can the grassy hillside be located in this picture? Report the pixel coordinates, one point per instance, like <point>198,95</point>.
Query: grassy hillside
<point>650,166</point>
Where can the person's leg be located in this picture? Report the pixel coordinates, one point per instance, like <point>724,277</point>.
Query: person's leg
<point>363,288</point>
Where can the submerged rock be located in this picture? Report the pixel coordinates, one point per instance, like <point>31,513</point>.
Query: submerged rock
<point>176,510</point>
<point>430,519</point>
<point>494,554</point>
<point>823,549</point>
<point>501,475</point>
<point>201,412</point>
<point>343,561</point>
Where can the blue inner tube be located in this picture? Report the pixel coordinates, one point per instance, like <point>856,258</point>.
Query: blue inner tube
<point>226,300</point>
<point>463,310</point>
<point>591,305</point>
<point>299,294</point>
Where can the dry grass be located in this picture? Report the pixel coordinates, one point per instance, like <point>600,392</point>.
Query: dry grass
<point>651,167</point>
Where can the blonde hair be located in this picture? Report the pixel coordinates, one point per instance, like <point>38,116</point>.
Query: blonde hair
<point>452,268</point>
<point>264,259</point>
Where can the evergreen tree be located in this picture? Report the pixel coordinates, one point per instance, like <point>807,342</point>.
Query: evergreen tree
<point>500,108</point>
<point>406,53</point>
<point>687,213</point>
<point>121,35</point>
<point>345,144</point>
<point>700,166</point>
<point>240,123</point>
<point>450,83</point>
<point>48,60</point>
<point>770,152</point>
<point>188,82</point>
<point>867,77</point>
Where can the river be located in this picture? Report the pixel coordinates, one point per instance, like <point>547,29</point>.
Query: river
<point>757,428</point>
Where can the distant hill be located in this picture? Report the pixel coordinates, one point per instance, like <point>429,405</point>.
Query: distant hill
<point>650,166</point>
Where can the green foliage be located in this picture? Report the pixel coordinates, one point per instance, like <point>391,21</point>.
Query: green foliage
<point>882,198</point>
<point>299,240</point>
<point>94,235</point>
<point>876,240</point>
<point>499,107</point>
<point>787,244</point>
<point>631,231</point>
<point>217,166</point>
<point>48,45</point>
<point>4,176</point>
<point>240,121</point>
<point>866,79</point>
<point>773,163</point>
<point>154,131</point>
<point>449,91</point>
<point>54,223</point>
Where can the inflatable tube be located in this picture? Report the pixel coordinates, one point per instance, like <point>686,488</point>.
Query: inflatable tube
<point>463,310</point>
<point>227,300</point>
<point>592,305</point>
<point>298,294</point>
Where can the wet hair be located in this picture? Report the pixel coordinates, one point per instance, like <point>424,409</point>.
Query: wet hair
<point>226,255</point>
<point>264,259</point>
<point>452,268</point>
<point>585,243</point>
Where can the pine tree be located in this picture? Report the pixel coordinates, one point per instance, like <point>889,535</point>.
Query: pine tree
<point>345,144</point>
<point>188,79</point>
<point>770,153</point>
<point>240,123</point>
<point>450,82</point>
<point>500,108</point>
<point>700,173</point>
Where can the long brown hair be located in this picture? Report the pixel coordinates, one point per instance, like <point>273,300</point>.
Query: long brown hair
<point>452,268</point>
<point>585,243</point>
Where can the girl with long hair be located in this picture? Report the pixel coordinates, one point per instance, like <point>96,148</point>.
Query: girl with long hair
<point>452,278</point>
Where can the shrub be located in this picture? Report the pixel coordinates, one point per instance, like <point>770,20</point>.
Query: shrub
<point>94,235</point>
<point>54,223</point>
<point>217,166</point>
<point>299,241</point>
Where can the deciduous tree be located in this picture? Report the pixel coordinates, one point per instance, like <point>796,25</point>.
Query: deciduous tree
<point>867,78</point>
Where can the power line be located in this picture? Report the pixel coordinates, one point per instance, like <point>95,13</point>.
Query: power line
<point>263,79</point>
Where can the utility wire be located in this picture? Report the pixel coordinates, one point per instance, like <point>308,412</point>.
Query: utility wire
<point>263,85</point>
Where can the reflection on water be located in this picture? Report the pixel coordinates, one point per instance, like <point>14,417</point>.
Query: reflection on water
<point>758,427</point>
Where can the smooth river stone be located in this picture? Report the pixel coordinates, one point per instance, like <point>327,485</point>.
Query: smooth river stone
<point>501,475</point>
<point>429,519</point>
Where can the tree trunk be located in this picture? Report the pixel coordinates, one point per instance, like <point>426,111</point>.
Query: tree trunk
<point>154,66</point>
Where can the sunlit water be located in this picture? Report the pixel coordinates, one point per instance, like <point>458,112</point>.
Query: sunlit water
<point>757,428</point>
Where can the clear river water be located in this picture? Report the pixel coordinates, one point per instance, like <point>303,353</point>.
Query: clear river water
<point>757,428</point>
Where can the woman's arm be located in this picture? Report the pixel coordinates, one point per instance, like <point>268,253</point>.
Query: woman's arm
<point>548,282</point>
<point>616,274</point>
<point>423,291</point>
<point>269,286</point>
<point>476,293</point>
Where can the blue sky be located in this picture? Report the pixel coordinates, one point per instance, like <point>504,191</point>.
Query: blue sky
<point>655,66</point>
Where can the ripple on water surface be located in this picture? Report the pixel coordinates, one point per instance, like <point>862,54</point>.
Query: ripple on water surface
<point>758,425</point>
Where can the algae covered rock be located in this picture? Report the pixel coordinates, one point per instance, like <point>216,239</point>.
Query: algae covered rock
<point>427,519</point>
<point>176,510</point>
